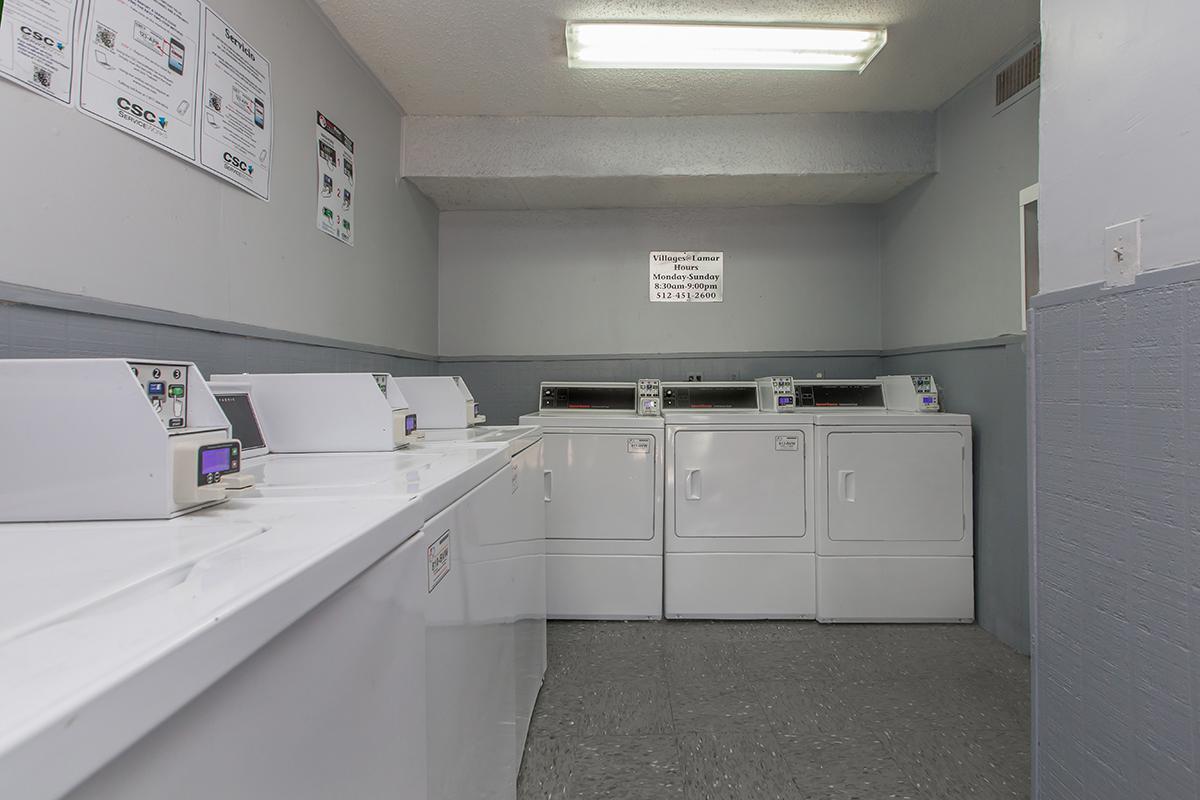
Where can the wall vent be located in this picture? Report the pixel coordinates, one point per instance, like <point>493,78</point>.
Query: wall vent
<point>1017,78</point>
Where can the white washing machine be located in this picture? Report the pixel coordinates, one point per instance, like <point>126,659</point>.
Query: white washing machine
<point>465,496</point>
<point>739,510</point>
<point>603,488</point>
<point>260,648</point>
<point>894,506</point>
<point>522,555</point>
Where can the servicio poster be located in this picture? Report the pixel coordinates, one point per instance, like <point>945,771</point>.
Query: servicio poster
<point>335,181</point>
<point>141,67</point>
<point>236,118</point>
<point>687,277</point>
<point>37,45</point>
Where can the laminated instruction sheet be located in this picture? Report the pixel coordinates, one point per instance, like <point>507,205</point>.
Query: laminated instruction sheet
<point>141,67</point>
<point>236,116</point>
<point>335,181</point>
<point>37,45</point>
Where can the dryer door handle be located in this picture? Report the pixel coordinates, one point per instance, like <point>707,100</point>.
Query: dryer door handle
<point>847,485</point>
<point>547,485</point>
<point>691,485</point>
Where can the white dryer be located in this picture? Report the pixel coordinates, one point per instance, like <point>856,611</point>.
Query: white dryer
<point>894,510</point>
<point>603,485</point>
<point>739,512</point>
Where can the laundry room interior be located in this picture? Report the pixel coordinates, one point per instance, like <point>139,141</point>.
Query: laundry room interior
<point>524,401</point>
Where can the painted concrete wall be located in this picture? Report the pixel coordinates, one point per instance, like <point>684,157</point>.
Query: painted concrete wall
<point>987,381</point>
<point>91,211</point>
<point>951,243</point>
<point>577,282</point>
<point>1116,378</point>
<point>1120,134</point>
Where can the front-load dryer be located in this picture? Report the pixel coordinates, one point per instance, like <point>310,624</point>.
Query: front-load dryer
<point>603,484</point>
<point>894,536</point>
<point>739,512</point>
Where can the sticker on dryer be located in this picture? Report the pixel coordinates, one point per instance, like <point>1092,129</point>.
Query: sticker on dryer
<point>639,444</point>
<point>439,560</point>
<point>516,478</point>
<point>788,443</point>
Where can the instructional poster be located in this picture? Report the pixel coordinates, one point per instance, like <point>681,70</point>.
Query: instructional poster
<point>37,45</point>
<point>335,181</point>
<point>141,63</point>
<point>687,277</point>
<point>236,118</point>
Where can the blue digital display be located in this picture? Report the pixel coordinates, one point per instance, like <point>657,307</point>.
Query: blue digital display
<point>927,400</point>
<point>216,460</point>
<point>410,424</point>
<point>786,401</point>
<point>156,389</point>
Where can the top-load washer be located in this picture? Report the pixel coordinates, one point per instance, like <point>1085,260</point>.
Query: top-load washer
<point>518,560</point>
<point>894,509</point>
<point>270,648</point>
<point>739,510</point>
<point>603,488</point>
<point>465,494</point>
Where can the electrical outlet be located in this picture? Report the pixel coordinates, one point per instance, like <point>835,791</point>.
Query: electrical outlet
<point>1122,252</point>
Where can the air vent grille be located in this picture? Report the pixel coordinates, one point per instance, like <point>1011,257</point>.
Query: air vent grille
<point>1019,75</point>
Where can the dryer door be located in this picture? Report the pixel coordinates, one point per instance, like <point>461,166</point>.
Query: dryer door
<point>600,485</point>
<point>739,483</point>
<point>903,486</point>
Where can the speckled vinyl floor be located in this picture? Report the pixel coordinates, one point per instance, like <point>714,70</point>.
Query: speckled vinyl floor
<point>778,711</point>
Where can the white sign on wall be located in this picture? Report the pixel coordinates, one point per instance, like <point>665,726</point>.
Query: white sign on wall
<point>141,70</point>
<point>687,277</point>
<point>335,181</point>
<point>37,45</point>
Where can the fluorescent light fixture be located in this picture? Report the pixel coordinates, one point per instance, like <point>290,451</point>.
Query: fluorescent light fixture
<point>684,45</point>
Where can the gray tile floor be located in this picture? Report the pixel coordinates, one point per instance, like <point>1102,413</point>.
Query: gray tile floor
<point>778,711</point>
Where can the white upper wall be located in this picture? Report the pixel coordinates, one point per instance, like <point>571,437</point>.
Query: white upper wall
<point>89,210</point>
<point>951,246</point>
<point>576,282</point>
<point>1120,134</point>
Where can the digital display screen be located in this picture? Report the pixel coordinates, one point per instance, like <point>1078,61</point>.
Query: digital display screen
<point>176,390</point>
<point>410,424</point>
<point>219,459</point>
<point>156,389</point>
<point>786,401</point>
<point>927,400</point>
<point>240,413</point>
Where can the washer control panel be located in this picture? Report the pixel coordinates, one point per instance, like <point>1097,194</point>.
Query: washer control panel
<point>166,388</point>
<point>777,394</point>
<point>650,397</point>
<point>911,393</point>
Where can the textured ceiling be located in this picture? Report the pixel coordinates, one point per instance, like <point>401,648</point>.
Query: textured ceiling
<point>508,57</point>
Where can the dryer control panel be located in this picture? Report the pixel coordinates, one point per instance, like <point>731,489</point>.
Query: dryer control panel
<point>777,394</point>
<point>166,387</point>
<point>571,396</point>
<point>649,397</point>
<point>911,393</point>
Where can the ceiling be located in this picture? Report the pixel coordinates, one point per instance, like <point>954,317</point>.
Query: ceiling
<point>498,58</point>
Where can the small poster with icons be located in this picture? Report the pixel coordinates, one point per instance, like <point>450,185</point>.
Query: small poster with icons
<point>335,181</point>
